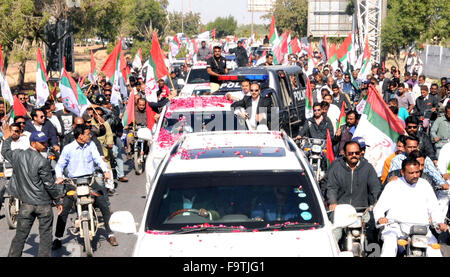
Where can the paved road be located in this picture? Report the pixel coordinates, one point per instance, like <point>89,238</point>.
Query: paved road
<point>130,197</point>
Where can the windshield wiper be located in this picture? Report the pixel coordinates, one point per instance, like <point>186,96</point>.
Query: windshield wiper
<point>205,228</point>
<point>287,225</point>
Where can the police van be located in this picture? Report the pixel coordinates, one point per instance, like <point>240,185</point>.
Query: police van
<point>286,85</point>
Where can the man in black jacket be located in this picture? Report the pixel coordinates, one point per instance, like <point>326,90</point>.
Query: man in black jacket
<point>34,184</point>
<point>241,55</point>
<point>352,180</point>
<point>316,126</point>
<point>257,108</point>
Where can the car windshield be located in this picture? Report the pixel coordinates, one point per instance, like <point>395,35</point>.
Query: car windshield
<point>176,123</point>
<point>250,199</point>
<point>197,76</point>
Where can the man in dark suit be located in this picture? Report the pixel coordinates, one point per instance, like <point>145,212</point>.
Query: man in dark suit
<point>257,108</point>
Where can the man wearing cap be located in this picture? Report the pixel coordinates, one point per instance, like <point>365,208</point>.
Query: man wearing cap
<point>34,184</point>
<point>241,54</point>
<point>362,145</point>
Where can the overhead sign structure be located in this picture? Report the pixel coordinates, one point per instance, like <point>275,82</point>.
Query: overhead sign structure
<point>328,17</point>
<point>260,5</point>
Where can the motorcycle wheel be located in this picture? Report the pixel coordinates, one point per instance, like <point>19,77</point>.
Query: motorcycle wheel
<point>138,165</point>
<point>11,212</point>
<point>87,241</point>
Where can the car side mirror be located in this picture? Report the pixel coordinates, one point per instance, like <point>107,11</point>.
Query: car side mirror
<point>344,215</point>
<point>122,222</point>
<point>145,134</point>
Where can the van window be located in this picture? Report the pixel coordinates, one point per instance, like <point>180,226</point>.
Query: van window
<point>287,100</point>
<point>296,87</point>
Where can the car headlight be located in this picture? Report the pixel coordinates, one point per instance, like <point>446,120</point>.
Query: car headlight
<point>419,241</point>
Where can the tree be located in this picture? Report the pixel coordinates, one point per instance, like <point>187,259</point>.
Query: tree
<point>191,23</point>
<point>290,15</point>
<point>224,26</point>
<point>410,22</point>
<point>143,17</point>
<point>22,22</point>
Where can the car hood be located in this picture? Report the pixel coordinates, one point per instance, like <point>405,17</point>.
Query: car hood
<point>310,243</point>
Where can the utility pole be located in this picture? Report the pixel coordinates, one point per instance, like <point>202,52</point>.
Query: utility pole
<point>182,16</point>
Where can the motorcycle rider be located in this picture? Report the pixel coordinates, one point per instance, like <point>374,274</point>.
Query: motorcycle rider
<point>416,204</point>
<point>78,160</point>
<point>140,120</point>
<point>35,186</point>
<point>351,180</point>
<point>316,126</point>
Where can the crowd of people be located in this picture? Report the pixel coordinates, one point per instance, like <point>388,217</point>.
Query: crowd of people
<point>98,140</point>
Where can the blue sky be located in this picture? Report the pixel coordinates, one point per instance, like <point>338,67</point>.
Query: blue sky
<point>211,9</point>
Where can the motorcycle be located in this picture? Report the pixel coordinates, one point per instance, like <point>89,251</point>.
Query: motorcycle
<point>11,203</point>
<point>86,223</point>
<point>355,234</point>
<point>140,149</point>
<point>314,150</point>
<point>415,243</point>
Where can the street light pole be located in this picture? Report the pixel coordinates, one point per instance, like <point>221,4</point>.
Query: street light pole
<point>182,15</point>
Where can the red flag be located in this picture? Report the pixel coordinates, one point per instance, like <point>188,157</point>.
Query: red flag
<point>110,65</point>
<point>18,107</point>
<point>330,152</point>
<point>150,117</point>
<point>1,60</point>
<point>284,43</point>
<point>54,92</point>
<point>294,46</point>
<point>272,27</point>
<point>213,33</point>
<point>158,58</point>
<point>343,49</point>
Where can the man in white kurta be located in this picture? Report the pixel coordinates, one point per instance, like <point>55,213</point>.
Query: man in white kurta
<point>409,199</point>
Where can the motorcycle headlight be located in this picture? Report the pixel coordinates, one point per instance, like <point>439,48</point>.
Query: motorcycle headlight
<point>316,148</point>
<point>82,190</point>
<point>419,241</point>
<point>356,232</point>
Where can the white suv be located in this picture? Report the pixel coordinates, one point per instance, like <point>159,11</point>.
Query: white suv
<point>235,193</point>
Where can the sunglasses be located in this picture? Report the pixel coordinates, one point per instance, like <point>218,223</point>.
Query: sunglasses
<point>22,122</point>
<point>254,90</point>
<point>16,131</point>
<point>357,153</point>
<point>412,127</point>
<point>318,110</point>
